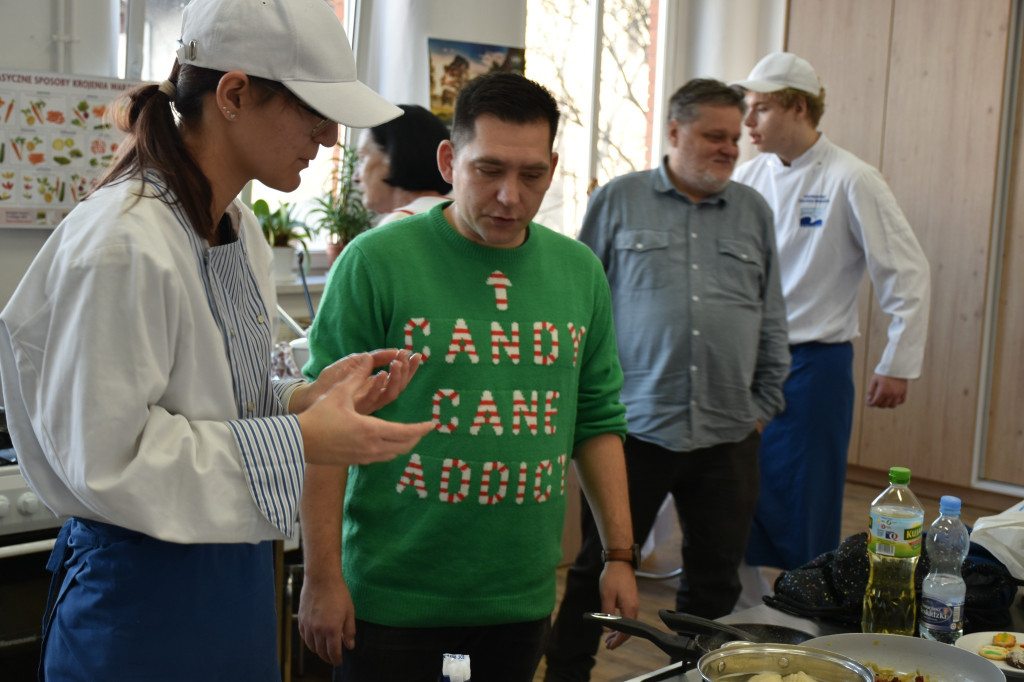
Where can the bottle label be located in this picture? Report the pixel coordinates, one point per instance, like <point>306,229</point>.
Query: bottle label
<point>894,536</point>
<point>938,614</point>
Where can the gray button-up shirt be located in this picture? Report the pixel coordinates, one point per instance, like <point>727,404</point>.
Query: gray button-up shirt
<point>699,315</point>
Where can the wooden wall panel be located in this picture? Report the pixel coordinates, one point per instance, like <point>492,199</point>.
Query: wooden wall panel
<point>1004,450</point>
<point>834,37</point>
<point>941,137</point>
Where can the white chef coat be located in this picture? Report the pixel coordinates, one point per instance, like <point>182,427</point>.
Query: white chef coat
<point>834,216</point>
<point>135,370</point>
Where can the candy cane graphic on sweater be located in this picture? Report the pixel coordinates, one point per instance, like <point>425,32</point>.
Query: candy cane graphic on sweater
<point>452,396</point>
<point>485,483</point>
<point>462,342</point>
<point>521,485</point>
<point>520,411</point>
<point>501,284</point>
<point>576,339</point>
<point>550,411</point>
<point>538,343</point>
<point>413,475</point>
<point>412,325</point>
<point>499,341</point>
<point>465,473</point>
<point>487,413</point>
<point>544,466</point>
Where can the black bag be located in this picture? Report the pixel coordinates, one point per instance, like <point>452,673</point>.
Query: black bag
<point>832,587</point>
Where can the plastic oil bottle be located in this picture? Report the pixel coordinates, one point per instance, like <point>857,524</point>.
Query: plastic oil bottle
<point>943,590</point>
<point>894,547</point>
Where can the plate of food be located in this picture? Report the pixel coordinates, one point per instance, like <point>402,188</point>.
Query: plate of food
<point>909,659</point>
<point>1004,649</point>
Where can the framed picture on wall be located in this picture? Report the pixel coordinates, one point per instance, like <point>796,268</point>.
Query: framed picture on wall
<point>454,63</point>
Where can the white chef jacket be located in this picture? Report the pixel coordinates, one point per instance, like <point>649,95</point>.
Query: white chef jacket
<point>834,216</point>
<point>135,367</point>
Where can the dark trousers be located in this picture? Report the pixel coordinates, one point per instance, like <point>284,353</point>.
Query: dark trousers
<point>715,492</point>
<point>497,653</point>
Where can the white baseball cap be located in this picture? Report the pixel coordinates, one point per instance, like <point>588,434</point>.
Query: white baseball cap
<point>782,70</point>
<point>298,43</point>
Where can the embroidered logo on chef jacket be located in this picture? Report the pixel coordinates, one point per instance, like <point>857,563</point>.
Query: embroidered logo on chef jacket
<point>812,210</point>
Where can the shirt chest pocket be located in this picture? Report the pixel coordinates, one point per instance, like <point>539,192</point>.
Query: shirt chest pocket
<point>740,269</point>
<point>642,259</point>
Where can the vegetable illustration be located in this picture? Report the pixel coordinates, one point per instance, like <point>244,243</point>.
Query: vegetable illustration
<point>36,158</point>
<point>3,147</point>
<point>8,114</point>
<point>55,117</point>
<point>62,160</point>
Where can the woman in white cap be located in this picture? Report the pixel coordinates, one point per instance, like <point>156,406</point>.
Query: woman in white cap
<point>135,360</point>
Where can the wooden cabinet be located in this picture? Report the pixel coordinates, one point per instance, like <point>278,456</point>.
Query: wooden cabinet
<point>916,87</point>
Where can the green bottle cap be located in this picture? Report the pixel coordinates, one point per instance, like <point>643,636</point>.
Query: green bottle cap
<point>899,475</point>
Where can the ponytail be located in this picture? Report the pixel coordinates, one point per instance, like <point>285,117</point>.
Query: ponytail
<point>154,141</point>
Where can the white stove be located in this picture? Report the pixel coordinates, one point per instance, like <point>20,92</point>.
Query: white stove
<point>21,511</point>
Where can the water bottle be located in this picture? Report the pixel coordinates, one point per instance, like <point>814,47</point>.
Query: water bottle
<point>894,546</point>
<point>943,590</point>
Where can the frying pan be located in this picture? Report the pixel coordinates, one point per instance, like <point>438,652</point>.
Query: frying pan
<point>710,634</point>
<point>694,636</point>
<point>701,636</point>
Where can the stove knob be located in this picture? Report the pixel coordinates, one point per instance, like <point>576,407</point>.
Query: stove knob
<point>28,504</point>
<point>5,506</point>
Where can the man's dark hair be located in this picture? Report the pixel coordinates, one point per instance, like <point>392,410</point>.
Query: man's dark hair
<point>509,97</point>
<point>686,102</point>
<point>410,143</point>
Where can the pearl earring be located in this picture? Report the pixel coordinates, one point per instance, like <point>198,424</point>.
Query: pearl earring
<point>230,113</point>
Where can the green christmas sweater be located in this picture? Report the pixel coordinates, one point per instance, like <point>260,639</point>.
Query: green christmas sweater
<point>521,366</point>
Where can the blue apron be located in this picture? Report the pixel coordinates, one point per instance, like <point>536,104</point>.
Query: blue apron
<point>803,460</point>
<point>126,606</point>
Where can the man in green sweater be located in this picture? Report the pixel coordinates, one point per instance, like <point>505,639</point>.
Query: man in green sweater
<point>453,548</point>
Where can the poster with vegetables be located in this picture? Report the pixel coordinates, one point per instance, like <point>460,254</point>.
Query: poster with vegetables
<point>56,139</point>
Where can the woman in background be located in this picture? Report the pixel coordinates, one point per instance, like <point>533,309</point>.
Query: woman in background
<point>135,359</point>
<point>398,164</point>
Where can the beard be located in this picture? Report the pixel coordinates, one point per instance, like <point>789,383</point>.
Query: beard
<point>708,182</point>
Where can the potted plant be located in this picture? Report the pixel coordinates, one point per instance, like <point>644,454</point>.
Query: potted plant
<point>340,209</point>
<point>282,231</point>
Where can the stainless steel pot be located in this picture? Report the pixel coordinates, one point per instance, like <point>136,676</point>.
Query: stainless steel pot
<point>738,660</point>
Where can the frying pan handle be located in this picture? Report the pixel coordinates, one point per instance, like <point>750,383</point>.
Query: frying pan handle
<point>673,645</point>
<point>695,625</point>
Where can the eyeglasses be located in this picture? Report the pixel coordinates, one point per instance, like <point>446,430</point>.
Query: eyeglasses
<point>280,89</point>
<point>321,124</point>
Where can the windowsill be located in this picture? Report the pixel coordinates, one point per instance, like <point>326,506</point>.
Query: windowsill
<point>292,287</point>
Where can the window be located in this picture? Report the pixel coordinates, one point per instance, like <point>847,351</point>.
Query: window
<point>606,93</point>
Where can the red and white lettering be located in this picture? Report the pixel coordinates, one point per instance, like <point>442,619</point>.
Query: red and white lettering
<point>538,343</point>
<point>411,326</point>
<point>563,459</point>
<point>500,341</point>
<point>462,342</point>
<point>501,284</point>
<point>521,486</point>
<point>452,396</point>
<point>577,337</point>
<point>413,475</point>
<point>542,467</point>
<point>465,474</point>
<point>521,411</point>
<point>485,483</point>
<point>550,411</point>
<point>487,413</point>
